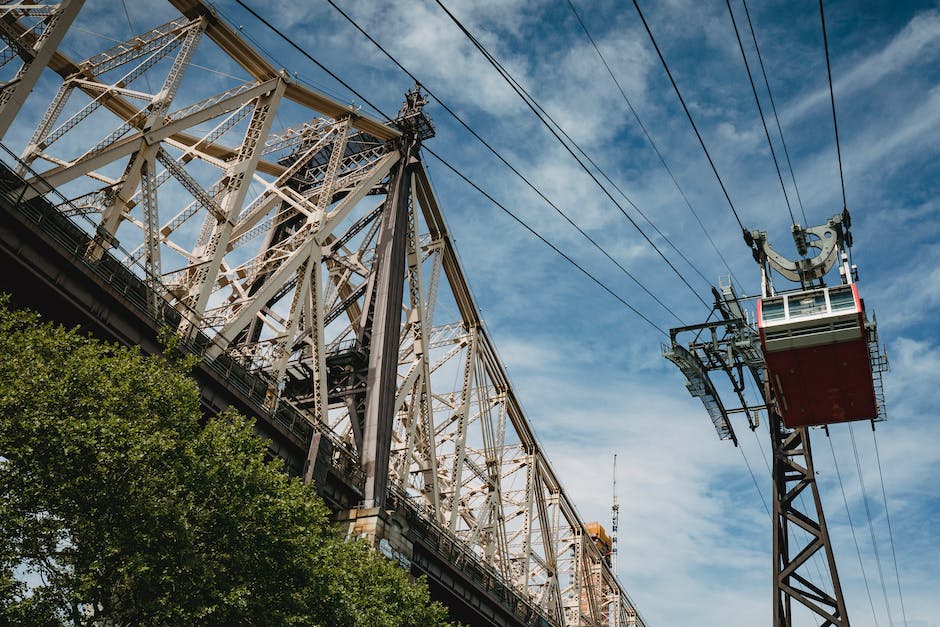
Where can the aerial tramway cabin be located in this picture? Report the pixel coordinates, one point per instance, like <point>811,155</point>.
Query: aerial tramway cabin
<point>815,344</point>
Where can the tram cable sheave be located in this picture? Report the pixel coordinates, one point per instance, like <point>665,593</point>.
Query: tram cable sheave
<point>814,355</point>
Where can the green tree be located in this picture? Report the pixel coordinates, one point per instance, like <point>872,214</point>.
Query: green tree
<point>120,504</point>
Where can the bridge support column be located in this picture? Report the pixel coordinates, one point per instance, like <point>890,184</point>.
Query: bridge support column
<point>384,530</point>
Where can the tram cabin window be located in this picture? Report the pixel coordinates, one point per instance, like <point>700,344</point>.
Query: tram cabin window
<point>804,305</point>
<point>773,309</point>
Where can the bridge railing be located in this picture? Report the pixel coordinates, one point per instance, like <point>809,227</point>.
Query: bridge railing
<point>458,553</point>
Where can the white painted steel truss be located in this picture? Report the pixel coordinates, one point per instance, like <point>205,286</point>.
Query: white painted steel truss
<point>277,220</point>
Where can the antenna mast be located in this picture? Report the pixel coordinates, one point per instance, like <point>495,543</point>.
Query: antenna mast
<point>615,516</point>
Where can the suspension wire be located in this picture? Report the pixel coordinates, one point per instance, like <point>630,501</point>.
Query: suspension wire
<point>655,148</point>
<point>773,106</point>
<point>544,118</point>
<point>750,471</point>
<point>754,479</point>
<point>308,56</point>
<point>688,114</point>
<point>848,513</point>
<point>871,526</point>
<point>365,100</point>
<point>760,110</point>
<point>309,83</point>
<point>130,25</point>
<point>832,98</point>
<point>545,241</point>
<point>505,162</point>
<point>527,97</point>
<point>884,495</point>
<point>762,453</point>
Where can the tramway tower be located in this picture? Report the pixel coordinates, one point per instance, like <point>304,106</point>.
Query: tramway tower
<point>813,355</point>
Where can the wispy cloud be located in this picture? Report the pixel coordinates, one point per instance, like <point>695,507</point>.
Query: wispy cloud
<point>916,43</point>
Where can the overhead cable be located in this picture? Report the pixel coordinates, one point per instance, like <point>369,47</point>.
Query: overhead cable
<point>754,479</point>
<point>884,495</point>
<point>310,58</point>
<point>688,114</point>
<point>543,118</point>
<point>544,240</point>
<point>652,143</point>
<point>352,90</point>
<point>832,98</point>
<point>848,514</point>
<point>505,162</point>
<point>773,106</point>
<point>760,110</point>
<point>871,526</point>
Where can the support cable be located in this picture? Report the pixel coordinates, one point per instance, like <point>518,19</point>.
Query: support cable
<point>543,117</point>
<point>832,98</point>
<point>512,168</point>
<point>773,106</point>
<point>848,513</point>
<point>526,96</point>
<point>295,75</point>
<point>352,90</point>
<point>688,114</point>
<point>760,110</point>
<point>754,479</point>
<point>652,143</point>
<point>543,239</point>
<point>307,55</point>
<point>762,453</point>
<point>884,495</point>
<point>130,25</point>
<point>871,526</point>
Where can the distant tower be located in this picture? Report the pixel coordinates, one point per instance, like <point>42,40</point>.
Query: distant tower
<point>615,516</point>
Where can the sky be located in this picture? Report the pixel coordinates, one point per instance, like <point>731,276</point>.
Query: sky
<point>695,538</point>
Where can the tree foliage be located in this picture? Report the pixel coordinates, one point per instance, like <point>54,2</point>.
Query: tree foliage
<point>120,504</point>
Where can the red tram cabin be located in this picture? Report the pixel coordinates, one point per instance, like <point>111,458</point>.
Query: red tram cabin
<point>815,344</point>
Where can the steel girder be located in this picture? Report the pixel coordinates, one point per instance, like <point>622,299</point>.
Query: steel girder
<point>305,241</point>
<point>800,533</point>
<point>30,33</point>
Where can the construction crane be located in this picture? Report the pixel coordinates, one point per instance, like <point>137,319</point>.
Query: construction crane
<point>814,356</point>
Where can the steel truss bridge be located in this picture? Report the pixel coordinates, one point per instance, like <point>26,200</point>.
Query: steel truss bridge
<point>312,270</point>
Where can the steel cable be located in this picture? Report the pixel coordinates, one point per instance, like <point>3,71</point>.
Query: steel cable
<point>688,114</point>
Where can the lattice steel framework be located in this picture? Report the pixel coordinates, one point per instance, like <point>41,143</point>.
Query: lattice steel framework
<point>30,33</point>
<point>305,240</point>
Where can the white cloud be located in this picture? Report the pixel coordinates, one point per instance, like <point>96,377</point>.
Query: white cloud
<point>916,43</point>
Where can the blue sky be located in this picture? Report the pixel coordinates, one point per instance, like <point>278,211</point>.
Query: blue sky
<point>694,535</point>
